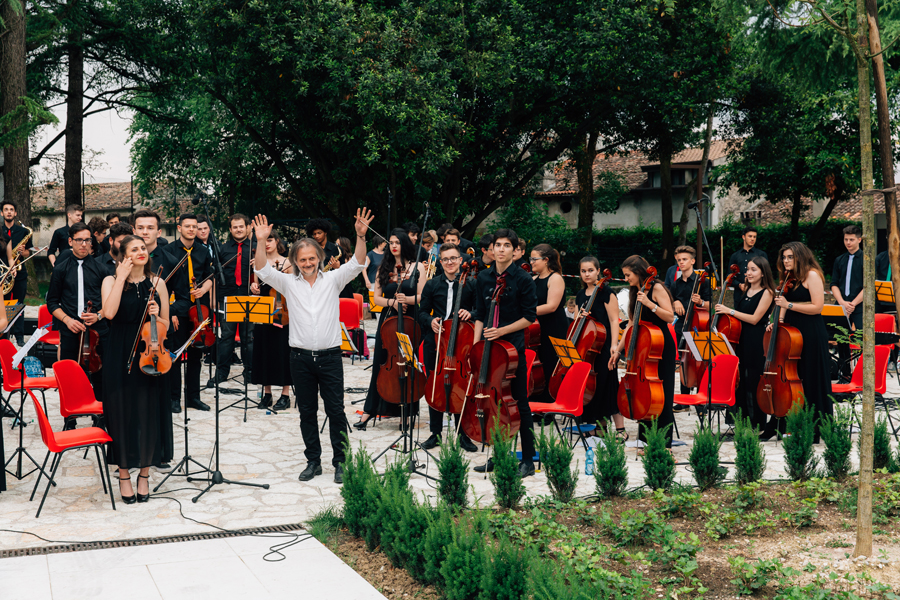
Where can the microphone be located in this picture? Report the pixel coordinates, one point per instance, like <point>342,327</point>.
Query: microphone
<point>196,199</point>
<point>694,205</point>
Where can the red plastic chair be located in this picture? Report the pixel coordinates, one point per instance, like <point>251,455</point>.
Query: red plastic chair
<point>725,374</point>
<point>882,356</point>
<point>349,313</point>
<point>76,395</point>
<point>884,323</point>
<point>60,443</point>
<point>569,400</point>
<point>45,318</point>
<point>12,378</point>
<point>359,301</point>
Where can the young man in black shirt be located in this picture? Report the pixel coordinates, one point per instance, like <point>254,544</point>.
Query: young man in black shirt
<point>318,230</point>
<point>116,234</point>
<point>517,310</point>
<point>741,258</point>
<point>486,259</point>
<point>847,287</point>
<point>683,293</point>
<point>60,239</point>
<point>438,298</point>
<point>15,233</point>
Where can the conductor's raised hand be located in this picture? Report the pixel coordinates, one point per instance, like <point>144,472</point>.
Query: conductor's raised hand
<point>262,228</point>
<point>363,218</point>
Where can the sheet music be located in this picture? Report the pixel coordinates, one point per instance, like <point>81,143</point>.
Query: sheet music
<point>693,346</point>
<point>23,351</point>
<point>181,350</point>
<point>14,319</point>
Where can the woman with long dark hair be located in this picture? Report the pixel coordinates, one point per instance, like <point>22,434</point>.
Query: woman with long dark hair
<point>389,293</point>
<point>752,310</point>
<point>658,310</point>
<point>551,310</point>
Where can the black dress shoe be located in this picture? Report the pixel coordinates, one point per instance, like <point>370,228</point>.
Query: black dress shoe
<point>176,406</point>
<point>339,473</point>
<point>163,466</point>
<point>489,468</point>
<point>311,470</point>
<point>265,402</point>
<point>432,442</point>
<point>283,403</point>
<point>466,444</point>
<point>526,469</point>
<point>196,403</point>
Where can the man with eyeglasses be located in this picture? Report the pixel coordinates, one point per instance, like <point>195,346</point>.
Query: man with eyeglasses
<point>438,298</point>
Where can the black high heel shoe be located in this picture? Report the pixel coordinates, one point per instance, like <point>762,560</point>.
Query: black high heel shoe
<point>361,424</point>
<point>125,499</point>
<point>144,497</point>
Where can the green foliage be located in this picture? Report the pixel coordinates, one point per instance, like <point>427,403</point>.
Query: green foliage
<point>750,495</point>
<point>438,537</point>
<point>550,582</point>
<point>508,487</point>
<point>395,497</point>
<point>325,523</point>
<point>530,219</point>
<point>507,569</point>
<point>799,455</point>
<point>750,459</point>
<point>409,539</point>
<point>556,456</point>
<point>750,578</point>
<point>453,471</point>
<point>359,476</point>
<point>681,503</point>
<point>636,528</point>
<point>835,432</point>
<point>881,456</point>
<point>704,460</point>
<point>610,472</point>
<point>805,515</point>
<point>464,566</point>
<point>659,465</point>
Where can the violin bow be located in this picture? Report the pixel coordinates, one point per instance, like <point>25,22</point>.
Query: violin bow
<point>146,310</point>
<point>208,277</point>
<point>178,266</point>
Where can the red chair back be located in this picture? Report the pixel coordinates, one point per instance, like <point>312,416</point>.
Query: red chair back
<point>885,323</point>
<point>359,301</point>
<point>672,333</point>
<point>44,317</point>
<point>349,313</point>
<point>47,435</point>
<point>725,374</point>
<point>76,395</point>
<point>570,397</point>
<point>882,357</point>
<point>12,378</point>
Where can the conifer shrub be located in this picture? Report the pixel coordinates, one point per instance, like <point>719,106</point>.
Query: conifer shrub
<point>409,543</point>
<point>556,456</point>
<point>610,472</point>
<point>659,465</point>
<point>506,572</point>
<point>395,498</point>
<point>453,470</point>
<point>508,487</point>
<point>704,459</point>
<point>835,432</point>
<point>464,566</point>
<point>881,457</point>
<point>438,537</point>
<point>799,457</point>
<point>359,474</point>
<point>750,460</point>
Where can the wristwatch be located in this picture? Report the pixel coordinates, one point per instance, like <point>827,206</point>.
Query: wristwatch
<point>732,313</point>
<point>790,306</point>
<point>653,310</point>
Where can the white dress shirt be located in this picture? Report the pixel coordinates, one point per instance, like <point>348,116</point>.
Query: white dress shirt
<point>315,309</point>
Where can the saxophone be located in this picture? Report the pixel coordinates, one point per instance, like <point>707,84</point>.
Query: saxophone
<point>11,281</point>
<point>337,256</point>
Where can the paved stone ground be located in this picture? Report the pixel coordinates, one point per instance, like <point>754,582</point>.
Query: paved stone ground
<point>267,448</point>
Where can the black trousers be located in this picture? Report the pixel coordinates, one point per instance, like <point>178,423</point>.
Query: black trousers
<point>225,348</point>
<point>520,394</point>
<point>68,350</point>
<point>856,318</point>
<point>20,288</point>
<point>312,375</point>
<point>192,358</point>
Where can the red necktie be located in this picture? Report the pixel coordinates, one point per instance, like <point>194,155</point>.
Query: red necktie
<point>237,269</point>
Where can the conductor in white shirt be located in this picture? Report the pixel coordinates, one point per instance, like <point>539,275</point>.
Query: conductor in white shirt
<point>314,334</point>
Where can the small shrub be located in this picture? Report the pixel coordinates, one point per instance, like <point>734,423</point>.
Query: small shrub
<point>438,537</point>
<point>836,435</point>
<point>508,487</point>
<point>409,543</point>
<point>464,566</point>
<point>610,472</point>
<point>506,571</point>
<point>805,515</point>
<point>750,462</point>
<point>881,457</point>
<point>556,456</point>
<point>704,460</point>
<point>750,495</point>
<point>395,497</point>
<point>453,470</point>
<point>359,474</point>
<point>637,528</point>
<point>799,456</point>
<point>750,578</point>
<point>659,465</point>
<point>553,581</point>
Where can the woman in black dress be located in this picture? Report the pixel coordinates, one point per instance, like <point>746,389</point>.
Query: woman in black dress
<point>752,310</point>
<point>802,308</point>
<point>658,310</point>
<point>136,406</point>
<point>272,357</point>
<point>551,310</point>
<point>388,296</point>
<point>605,310</point>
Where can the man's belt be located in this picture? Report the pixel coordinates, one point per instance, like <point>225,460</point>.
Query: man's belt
<point>325,352</point>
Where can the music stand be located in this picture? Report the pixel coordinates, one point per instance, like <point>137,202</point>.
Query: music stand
<point>14,310</point>
<point>20,451</point>
<point>706,345</point>
<point>248,309</point>
<point>566,352</point>
<point>884,292</point>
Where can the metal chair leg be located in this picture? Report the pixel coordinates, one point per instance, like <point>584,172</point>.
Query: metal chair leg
<point>97,453</point>
<point>40,474</point>
<point>105,469</point>
<point>47,489</point>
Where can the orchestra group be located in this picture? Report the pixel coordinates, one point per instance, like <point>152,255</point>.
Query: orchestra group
<point>486,315</point>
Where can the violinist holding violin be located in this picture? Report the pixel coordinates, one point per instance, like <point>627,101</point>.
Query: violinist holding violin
<point>195,268</point>
<point>136,406</point>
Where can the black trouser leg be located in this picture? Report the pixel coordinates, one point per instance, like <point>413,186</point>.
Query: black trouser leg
<point>312,374</point>
<point>526,427</point>
<point>225,349</point>
<point>68,344</point>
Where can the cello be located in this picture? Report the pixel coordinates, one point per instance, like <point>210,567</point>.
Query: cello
<point>690,369</point>
<point>641,395</point>
<point>491,401</point>
<point>88,357</point>
<point>198,314</point>
<point>588,336</point>
<point>455,343</point>
<point>780,386</point>
<point>394,383</point>
<point>726,325</point>
<point>537,382</point>
<point>281,316</point>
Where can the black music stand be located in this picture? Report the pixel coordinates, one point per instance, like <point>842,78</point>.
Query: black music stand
<point>248,309</point>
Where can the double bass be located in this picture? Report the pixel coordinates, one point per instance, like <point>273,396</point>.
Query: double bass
<point>394,383</point>
<point>641,394</point>
<point>454,344</point>
<point>88,355</point>
<point>588,336</point>
<point>490,399</point>
<point>780,386</point>
<point>537,382</point>
<point>691,369</point>
<point>726,325</point>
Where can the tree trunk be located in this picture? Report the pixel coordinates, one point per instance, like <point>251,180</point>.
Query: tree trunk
<point>74,117</point>
<point>584,171</point>
<point>12,88</point>
<point>665,177</point>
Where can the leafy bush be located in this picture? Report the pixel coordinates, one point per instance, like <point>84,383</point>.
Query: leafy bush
<point>610,472</point>
<point>506,571</point>
<point>659,465</point>
<point>453,470</point>
<point>409,541</point>
<point>750,462</point>
<point>438,537</point>
<point>680,503</point>
<point>359,474</point>
<point>801,461</point>
<point>395,497</point>
<point>836,435</point>
<point>508,487</point>
<point>556,456</point>
<point>704,460</point>
<point>750,578</point>
<point>464,566</point>
<point>552,581</point>
<point>881,457</point>
<point>636,528</point>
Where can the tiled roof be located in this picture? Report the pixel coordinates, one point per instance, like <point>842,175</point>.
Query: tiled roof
<point>717,149</point>
<point>852,208</point>
<point>98,196</point>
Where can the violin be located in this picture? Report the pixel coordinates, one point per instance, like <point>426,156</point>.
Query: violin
<point>726,325</point>
<point>88,357</point>
<point>394,383</point>
<point>588,336</point>
<point>198,314</point>
<point>454,344</point>
<point>691,369</point>
<point>537,382</point>
<point>281,316</point>
<point>641,395</point>
<point>490,401</point>
<point>154,359</point>
<point>780,386</point>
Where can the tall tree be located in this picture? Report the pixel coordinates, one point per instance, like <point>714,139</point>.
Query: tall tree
<point>13,107</point>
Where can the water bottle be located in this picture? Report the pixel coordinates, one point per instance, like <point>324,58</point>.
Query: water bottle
<point>589,462</point>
